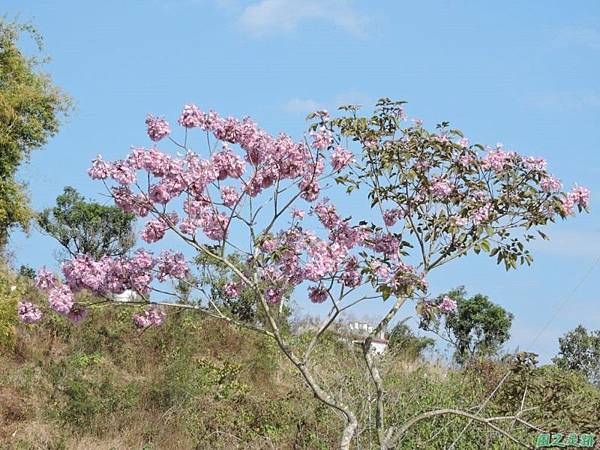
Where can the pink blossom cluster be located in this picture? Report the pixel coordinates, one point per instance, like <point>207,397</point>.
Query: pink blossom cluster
<point>317,294</point>
<point>482,214</point>
<point>579,196</point>
<point>403,278</point>
<point>384,243</point>
<point>60,296</point>
<point>340,158</point>
<point>440,188</point>
<point>231,289</point>
<point>228,164</point>
<point>192,117</point>
<point>100,169</point>
<point>157,128</point>
<point>447,305</point>
<point>171,265</point>
<point>45,279</point>
<point>114,275</point>
<point>229,196</point>
<point>272,296</point>
<point>322,138</point>
<point>534,163</point>
<point>351,276</point>
<point>60,299</point>
<point>550,184</point>
<point>272,159</point>
<point>391,216</point>
<point>28,312</point>
<point>155,229</point>
<point>327,214</point>
<point>152,317</point>
<point>497,159</point>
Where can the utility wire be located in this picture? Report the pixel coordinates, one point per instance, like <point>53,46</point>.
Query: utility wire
<point>544,328</point>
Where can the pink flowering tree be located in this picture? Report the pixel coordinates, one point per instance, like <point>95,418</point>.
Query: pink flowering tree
<point>251,210</point>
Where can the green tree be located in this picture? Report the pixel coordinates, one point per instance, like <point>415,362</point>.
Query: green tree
<point>479,327</point>
<point>84,227</point>
<point>580,351</point>
<point>31,108</point>
<point>403,341</point>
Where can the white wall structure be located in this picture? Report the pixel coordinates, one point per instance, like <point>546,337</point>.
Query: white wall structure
<point>126,296</point>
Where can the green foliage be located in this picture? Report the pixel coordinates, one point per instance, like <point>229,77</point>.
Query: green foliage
<point>560,400</point>
<point>244,307</point>
<point>30,111</point>
<point>401,163</point>
<point>580,351</point>
<point>196,383</point>
<point>90,228</point>
<point>13,288</point>
<point>477,328</point>
<point>403,341</point>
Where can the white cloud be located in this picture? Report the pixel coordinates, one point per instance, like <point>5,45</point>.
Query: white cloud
<point>307,105</point>
<point>580,36</point>
<point>273,16</point>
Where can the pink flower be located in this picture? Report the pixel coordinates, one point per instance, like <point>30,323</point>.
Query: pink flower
<point>497,160</point>
<point>60,299</point>
<point>152,317</point>
<point>171,264</point>
<point>385,243</point>
<point>550,184</point>
<point>231,290</point>
<point>272,296</point>
<point>322,138</point>
<point>440,188</point>
<point>391,216</point>
<point>268,245</point>
<point>581,196</point>
<point>340,158</point>
<point>310,190</point>
<point>229,196</point>
<point>157,128</point>
<point>155,229</point>
<point>191,117</point>
<point>215,225</point>
<point>447,305</point>
<point>28,312</point>
<point>327,214</point>
<point>45,279</point>
<point>100,169</point>
<point>228,164</point>
<point>297,214</point>
<point>482,214</point>
<point>317,294</point>
<point>457,221</point>
<point>122,173</point>
<point>533,163</point>
<point>464,143</point>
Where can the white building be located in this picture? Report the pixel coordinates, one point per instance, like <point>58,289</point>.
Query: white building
<point>126,296</point>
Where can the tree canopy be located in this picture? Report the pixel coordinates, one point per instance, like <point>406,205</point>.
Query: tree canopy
<point>580,351</point>
<point>477,328</point>
<point>84,227</point>
<point>31,108</point>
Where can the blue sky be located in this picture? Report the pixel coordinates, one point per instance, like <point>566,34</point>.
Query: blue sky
<point>522,73</point>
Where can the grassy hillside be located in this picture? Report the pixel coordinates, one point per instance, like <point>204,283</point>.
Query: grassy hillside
<point>198,383</point>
